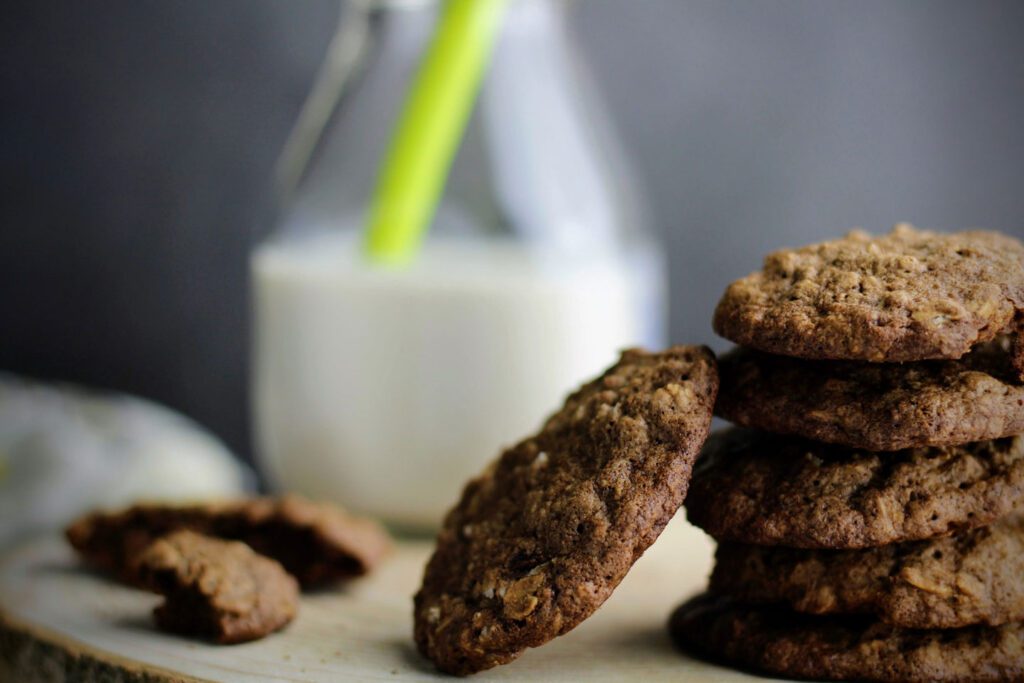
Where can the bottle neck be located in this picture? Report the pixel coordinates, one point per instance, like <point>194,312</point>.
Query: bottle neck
<point>399,5</point>
<point>392,5</point>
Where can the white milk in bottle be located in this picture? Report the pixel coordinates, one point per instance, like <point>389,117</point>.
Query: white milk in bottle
<point>385,389</point>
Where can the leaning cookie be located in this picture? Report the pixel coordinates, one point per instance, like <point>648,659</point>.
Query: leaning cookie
<point>785,644</point>
<point>909,295</point>
<point>760,488</point>
<point>316,542</point>
<point>542,537</point>
<point>217,590</point>
<point>971,578</point>
<point>879,407</point>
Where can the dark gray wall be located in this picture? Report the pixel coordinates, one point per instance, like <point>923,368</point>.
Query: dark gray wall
<point>138,141</point>
<point>138,138</point>
<point>763,124</point>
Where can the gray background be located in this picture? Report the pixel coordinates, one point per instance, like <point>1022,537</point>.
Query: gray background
<point>138,140</point>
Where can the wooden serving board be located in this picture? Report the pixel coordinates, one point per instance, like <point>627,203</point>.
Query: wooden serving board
<point>59,622</point>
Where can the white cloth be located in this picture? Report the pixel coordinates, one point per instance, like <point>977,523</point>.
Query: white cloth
<point>65,449</point>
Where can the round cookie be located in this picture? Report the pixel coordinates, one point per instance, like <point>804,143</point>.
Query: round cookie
<point>878,407</point>
<point>908,295</point>
<point>542,537</point>
<point>764,489</point>
<point>843,648</point>
<point>949,582</point>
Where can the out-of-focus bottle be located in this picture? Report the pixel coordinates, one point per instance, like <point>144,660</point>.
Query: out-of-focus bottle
<point>385,389</point>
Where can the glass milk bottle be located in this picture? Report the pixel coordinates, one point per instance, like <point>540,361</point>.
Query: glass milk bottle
<point>384,389</point>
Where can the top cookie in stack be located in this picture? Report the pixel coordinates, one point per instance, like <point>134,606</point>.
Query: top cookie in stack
<point>907,296</point>
<point>878,481</point>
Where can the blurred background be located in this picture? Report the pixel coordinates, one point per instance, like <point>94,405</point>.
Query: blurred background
<point>139,140</point>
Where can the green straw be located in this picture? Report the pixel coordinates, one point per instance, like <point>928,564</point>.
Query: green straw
<point>430,127</point>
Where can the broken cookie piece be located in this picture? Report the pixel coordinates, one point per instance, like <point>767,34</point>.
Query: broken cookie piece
<point>316,542</point>
<point>217,590</point>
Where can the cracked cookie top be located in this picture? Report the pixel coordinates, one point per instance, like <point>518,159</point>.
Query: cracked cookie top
<point>754,487</point>
<point>876,406</point>
<point>542,537</point>
<point>908,295</point>
<point>947,582</point>
<point>789,645</point>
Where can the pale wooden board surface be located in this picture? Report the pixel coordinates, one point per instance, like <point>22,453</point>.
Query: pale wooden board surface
<point>360,632</point>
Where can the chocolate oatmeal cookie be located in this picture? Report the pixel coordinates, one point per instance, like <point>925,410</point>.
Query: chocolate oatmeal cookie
<point>755,487</point>
<point>879,407</point>
<point>973,578</point>
<point>542,537</point>
<point>909,295</point>
<point>316,542</point>
<point>792,645</point>
<point>217,590</point>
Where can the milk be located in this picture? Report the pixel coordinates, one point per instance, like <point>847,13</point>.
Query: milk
<point>384,390</point>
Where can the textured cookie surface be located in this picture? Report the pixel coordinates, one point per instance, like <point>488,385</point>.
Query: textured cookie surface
<point>908,295</point>
<point>217,590</point>
<point>973,578</point>
<point>543,536</point>
<point>755,487</point>
<point>315,542</point>
<point>880,407</point>
<point>792,645</point>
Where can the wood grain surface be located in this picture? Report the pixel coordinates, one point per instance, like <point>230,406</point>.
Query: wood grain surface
<point>59,622</point>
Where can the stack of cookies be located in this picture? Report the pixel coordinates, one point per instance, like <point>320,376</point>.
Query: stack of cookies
<point>869,507</point>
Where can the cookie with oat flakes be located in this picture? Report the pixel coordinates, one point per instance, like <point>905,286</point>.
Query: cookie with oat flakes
<point>876,406</point>
<point>948,582</point>
<point>905,296</point>
<point>760,488</point>
<point>790,645</point>
<point>542,538</point>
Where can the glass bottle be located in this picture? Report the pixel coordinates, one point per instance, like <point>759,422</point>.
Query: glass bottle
<point>385,389</point>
